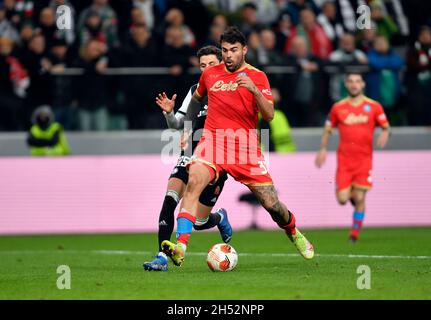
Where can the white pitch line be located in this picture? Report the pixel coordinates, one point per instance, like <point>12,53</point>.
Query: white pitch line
<point>244,254</point>
<point>247,254</point>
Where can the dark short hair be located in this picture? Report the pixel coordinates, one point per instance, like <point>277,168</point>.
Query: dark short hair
<point>208,50</point>
<point>354,73</point>
<point>249,5</point>
<point>233,35</point>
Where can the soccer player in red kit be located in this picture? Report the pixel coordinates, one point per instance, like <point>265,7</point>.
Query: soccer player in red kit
<point>237,93</point>
<point>356,117</point>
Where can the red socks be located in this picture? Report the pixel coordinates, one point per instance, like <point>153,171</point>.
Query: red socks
<point>290,227</point>
<point>185,222</point>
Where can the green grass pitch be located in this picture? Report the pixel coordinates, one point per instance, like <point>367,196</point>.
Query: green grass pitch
<point>110,267</point>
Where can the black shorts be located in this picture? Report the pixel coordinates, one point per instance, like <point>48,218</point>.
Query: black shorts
<point>210,194</point>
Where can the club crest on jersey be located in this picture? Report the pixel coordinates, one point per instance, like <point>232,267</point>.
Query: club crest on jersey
<point>367,108</point>
<point>222,86</point>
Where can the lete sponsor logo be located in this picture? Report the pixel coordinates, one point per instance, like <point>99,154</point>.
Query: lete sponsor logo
<point>355,119</point>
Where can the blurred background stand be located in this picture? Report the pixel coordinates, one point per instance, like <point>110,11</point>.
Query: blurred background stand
<point>251,199</point>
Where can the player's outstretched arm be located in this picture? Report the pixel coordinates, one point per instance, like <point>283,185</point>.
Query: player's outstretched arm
<point>174,121</point>
<point>321,154</point>
<point>166,104</point>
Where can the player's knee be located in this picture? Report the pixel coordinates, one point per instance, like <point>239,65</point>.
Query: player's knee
<point>195,182</point>
<point>359,198</point>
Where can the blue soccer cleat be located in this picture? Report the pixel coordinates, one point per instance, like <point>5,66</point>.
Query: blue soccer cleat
<point>224,226</point>
<point>160,263</point>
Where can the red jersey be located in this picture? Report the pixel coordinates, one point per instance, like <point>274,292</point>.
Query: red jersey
<point>231,106</point>
<point>233,111</point>
<point>356,125</point>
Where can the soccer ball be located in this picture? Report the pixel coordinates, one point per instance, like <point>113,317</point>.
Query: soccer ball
<point>222,257</point>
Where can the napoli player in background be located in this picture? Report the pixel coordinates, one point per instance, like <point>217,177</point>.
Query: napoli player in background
<point>356,117</point>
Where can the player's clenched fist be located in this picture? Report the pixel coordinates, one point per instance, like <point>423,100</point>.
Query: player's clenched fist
<point>165,103</point>
<point>246,82</point>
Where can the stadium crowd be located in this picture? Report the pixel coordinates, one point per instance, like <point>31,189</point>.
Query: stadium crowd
<point>311,43</point>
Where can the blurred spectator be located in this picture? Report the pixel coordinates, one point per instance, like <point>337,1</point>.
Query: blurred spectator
<point>418,78</point>
<point>254,46</point>
<point>11,14</point>
<point>7,30</point>
<point>48,27</point>
<point>176,53</point>
<point>34,60</point>
<point>347,54</point>
<point>282,31</point>
<point>197,17</point>
<point>140,52</point>
<point>220,20</point>
<point>216,29</point>
<point>269,55</point>
<point>13,84</point>
<point>328,19</point>
<point>386,26</point>
<point>175,18</point>
<point>91,88</point>
<point>138,18</point>
<point>418,12</point>
<point>46,137</point>
<point>224,6</point>
<point>303,85</point>
<point>366,38</point>
<point>294,8</point>
<point>383,82</point>
<point>317,41</point>
<point>262,49</point>
<point>395,9</point>
<point>20,12</point>
<point>178,57</point>
<point>67,35</point>
<point>108,21</point>
<point>280,139</point>
<point>92,29</point>
<point>267,11</point>
<point>250,22</point>
<point>146,7</point>
<point>61,89</point>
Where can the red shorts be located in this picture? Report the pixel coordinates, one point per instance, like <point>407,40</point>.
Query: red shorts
<point>354,171</point>
<point>249,168</point>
